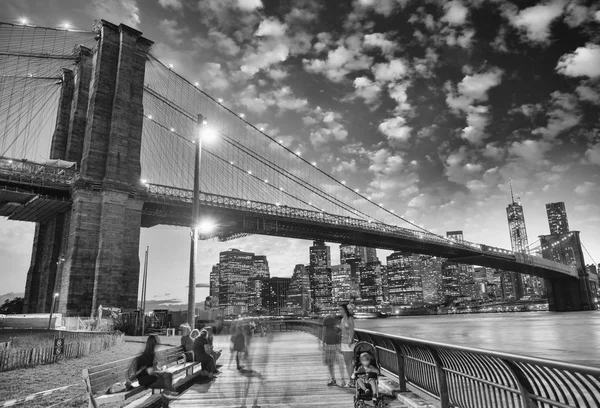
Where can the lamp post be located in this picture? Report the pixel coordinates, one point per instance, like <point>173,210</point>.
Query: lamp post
<point>200,124</point>
<point>52,309</point>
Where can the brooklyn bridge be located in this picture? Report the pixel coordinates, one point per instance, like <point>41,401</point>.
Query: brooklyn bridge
<point>125,130</point>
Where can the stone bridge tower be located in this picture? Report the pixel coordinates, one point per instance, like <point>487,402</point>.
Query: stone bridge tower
<point>89,255</point>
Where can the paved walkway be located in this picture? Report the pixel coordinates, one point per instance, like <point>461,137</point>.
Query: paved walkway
<point>284,370</point>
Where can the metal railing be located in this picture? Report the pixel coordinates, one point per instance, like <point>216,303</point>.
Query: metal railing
<point>30,173</point>
<point>464,377</point>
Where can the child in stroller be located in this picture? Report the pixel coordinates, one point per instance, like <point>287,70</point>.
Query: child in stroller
<point>366,372</point>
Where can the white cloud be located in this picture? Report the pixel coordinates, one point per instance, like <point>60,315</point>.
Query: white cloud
<point>592,154</point>
<point>117,11</point>
<point>267,53</point>
<point>536,20</point>
<point>344,167</point>
<point>458,169</point>
<point>390,71</point>
<point>283,99</point>
<point>338,64</point>
<point>532,152</point>
<point>277,74</point>
<point>587,93</point>
<point>576,14</point>
<point>527,109</point>
<point>398,93</point>
<point>453,38</point>
<point>224,44</point>
<point>174,4</point>
<point>328,126</point>
<point>249,5</point>
<point>379,40</point>
<point>474,88</point>
<point>392,178</point>
<point>477,120</point>
<point>563,115</point>
<point>493,151</point>
<point>584,61</point>
<point>172,30</point>
<point>456,13</point>
<point>367,89</point>
<point>597,15</point>
<point>212,76</point>
<point>396,130</point>
<point>271,27</point>
<point>586,188</point>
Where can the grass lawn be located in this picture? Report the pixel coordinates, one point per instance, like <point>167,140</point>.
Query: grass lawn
<point>22,382</point>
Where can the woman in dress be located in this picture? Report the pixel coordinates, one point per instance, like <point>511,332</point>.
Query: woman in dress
<point>347,346</point>
<point>330,344</point>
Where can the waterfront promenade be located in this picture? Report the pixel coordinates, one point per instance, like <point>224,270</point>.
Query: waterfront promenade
<point>284,370</point>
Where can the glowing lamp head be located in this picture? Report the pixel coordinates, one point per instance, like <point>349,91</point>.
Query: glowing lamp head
<point>170,66</point>
<point>56,295</point>
<point>220,100</point>
<point>242,115</point>
<point>144,181</point>
<point>206,227</point>
<point>150,117</point>
<point>196,84</point>
<point>66,25</point>
<point>23,20</point>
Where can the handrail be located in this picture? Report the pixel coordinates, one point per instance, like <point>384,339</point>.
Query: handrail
<point>467,377</point>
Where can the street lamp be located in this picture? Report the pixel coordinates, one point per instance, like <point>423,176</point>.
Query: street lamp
<point>52,309</point>
<point>203,131</point>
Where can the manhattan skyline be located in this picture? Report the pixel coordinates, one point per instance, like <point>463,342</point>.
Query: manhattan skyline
<point>359,98</point>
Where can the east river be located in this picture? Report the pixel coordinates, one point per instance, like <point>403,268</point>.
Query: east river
<point>572,337</point>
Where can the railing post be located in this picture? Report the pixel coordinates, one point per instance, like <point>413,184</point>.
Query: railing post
<point>525,387</point>
<point>441,377</point>
<point>401,373</point>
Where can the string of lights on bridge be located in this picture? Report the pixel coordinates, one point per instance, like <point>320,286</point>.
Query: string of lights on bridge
<point>297,153</point>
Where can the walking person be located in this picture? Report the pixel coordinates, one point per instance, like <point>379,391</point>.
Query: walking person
<point>330,344</point>
<point>237,347</point>
<point>347,342</point>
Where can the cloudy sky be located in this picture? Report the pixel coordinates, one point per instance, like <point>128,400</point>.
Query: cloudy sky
<point>430,106</point>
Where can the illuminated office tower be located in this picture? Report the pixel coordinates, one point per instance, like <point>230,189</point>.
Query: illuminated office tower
<point>319,272</point>
<point>371,289</point>
<point>214,285</point>
<point>278,293</point>
<point>235,268</point>
<point>431,278</point>
<point>457,279</point>
<point>298,298</point>
<point>258,286</point>
<point>557,218</point>
<point>349,253</point>
<point>342,287</point>
<point>404,279</point>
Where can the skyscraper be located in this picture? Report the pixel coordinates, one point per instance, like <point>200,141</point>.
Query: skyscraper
<point>371,290</point>
<point>235,267</point>
<point>354,252</point>
<point>319,272</point>
<point>404,279</point>
<point>214,285</point>
<point>278,293</point>
<point>298,299</point>
<point>557,218</point>
<point>258,285</point>
<point>513,284</point>
<point>457,279</point>
<point>431,278</point>
<point>342,287</point>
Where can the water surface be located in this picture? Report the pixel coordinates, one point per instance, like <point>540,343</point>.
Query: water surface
<point>572,337</point>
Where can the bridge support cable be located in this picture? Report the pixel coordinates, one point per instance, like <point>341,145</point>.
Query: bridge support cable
<point>189,99</point>
<point>31,63</point>
<point>292,179</point>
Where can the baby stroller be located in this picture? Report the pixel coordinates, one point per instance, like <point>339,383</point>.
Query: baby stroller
<point>360,396</point>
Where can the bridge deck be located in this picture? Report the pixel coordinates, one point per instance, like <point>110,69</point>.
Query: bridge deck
<point>284,370</point>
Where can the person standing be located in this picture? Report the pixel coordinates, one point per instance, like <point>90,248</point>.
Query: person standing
<point>347,342</point>
<point>330,344</point>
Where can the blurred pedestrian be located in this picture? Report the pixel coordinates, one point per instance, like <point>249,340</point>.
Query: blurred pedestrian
<point>347,340</point>
<point>237,347</point>
<point>214,353</point>
<point>330,344</point>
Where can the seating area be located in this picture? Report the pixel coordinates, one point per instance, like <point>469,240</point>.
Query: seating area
<point>100,378</point>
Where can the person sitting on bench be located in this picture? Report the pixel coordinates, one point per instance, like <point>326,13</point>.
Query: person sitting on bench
<point>147,374</point>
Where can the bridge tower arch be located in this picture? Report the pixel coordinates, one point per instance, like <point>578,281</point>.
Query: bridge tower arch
<point>89,255</point>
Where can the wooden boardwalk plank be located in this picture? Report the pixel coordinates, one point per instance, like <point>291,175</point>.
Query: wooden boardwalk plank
<point>284,370</point>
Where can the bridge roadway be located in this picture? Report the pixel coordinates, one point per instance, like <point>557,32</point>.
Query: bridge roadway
<point>285,370</point>
<point>33,192</point>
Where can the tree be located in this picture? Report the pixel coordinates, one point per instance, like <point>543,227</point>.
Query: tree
<point>14,306</point>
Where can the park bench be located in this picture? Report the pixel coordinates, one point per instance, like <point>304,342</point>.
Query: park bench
<point>100,378</point>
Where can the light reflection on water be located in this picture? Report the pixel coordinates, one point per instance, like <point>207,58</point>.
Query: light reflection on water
<point>572,337</point>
